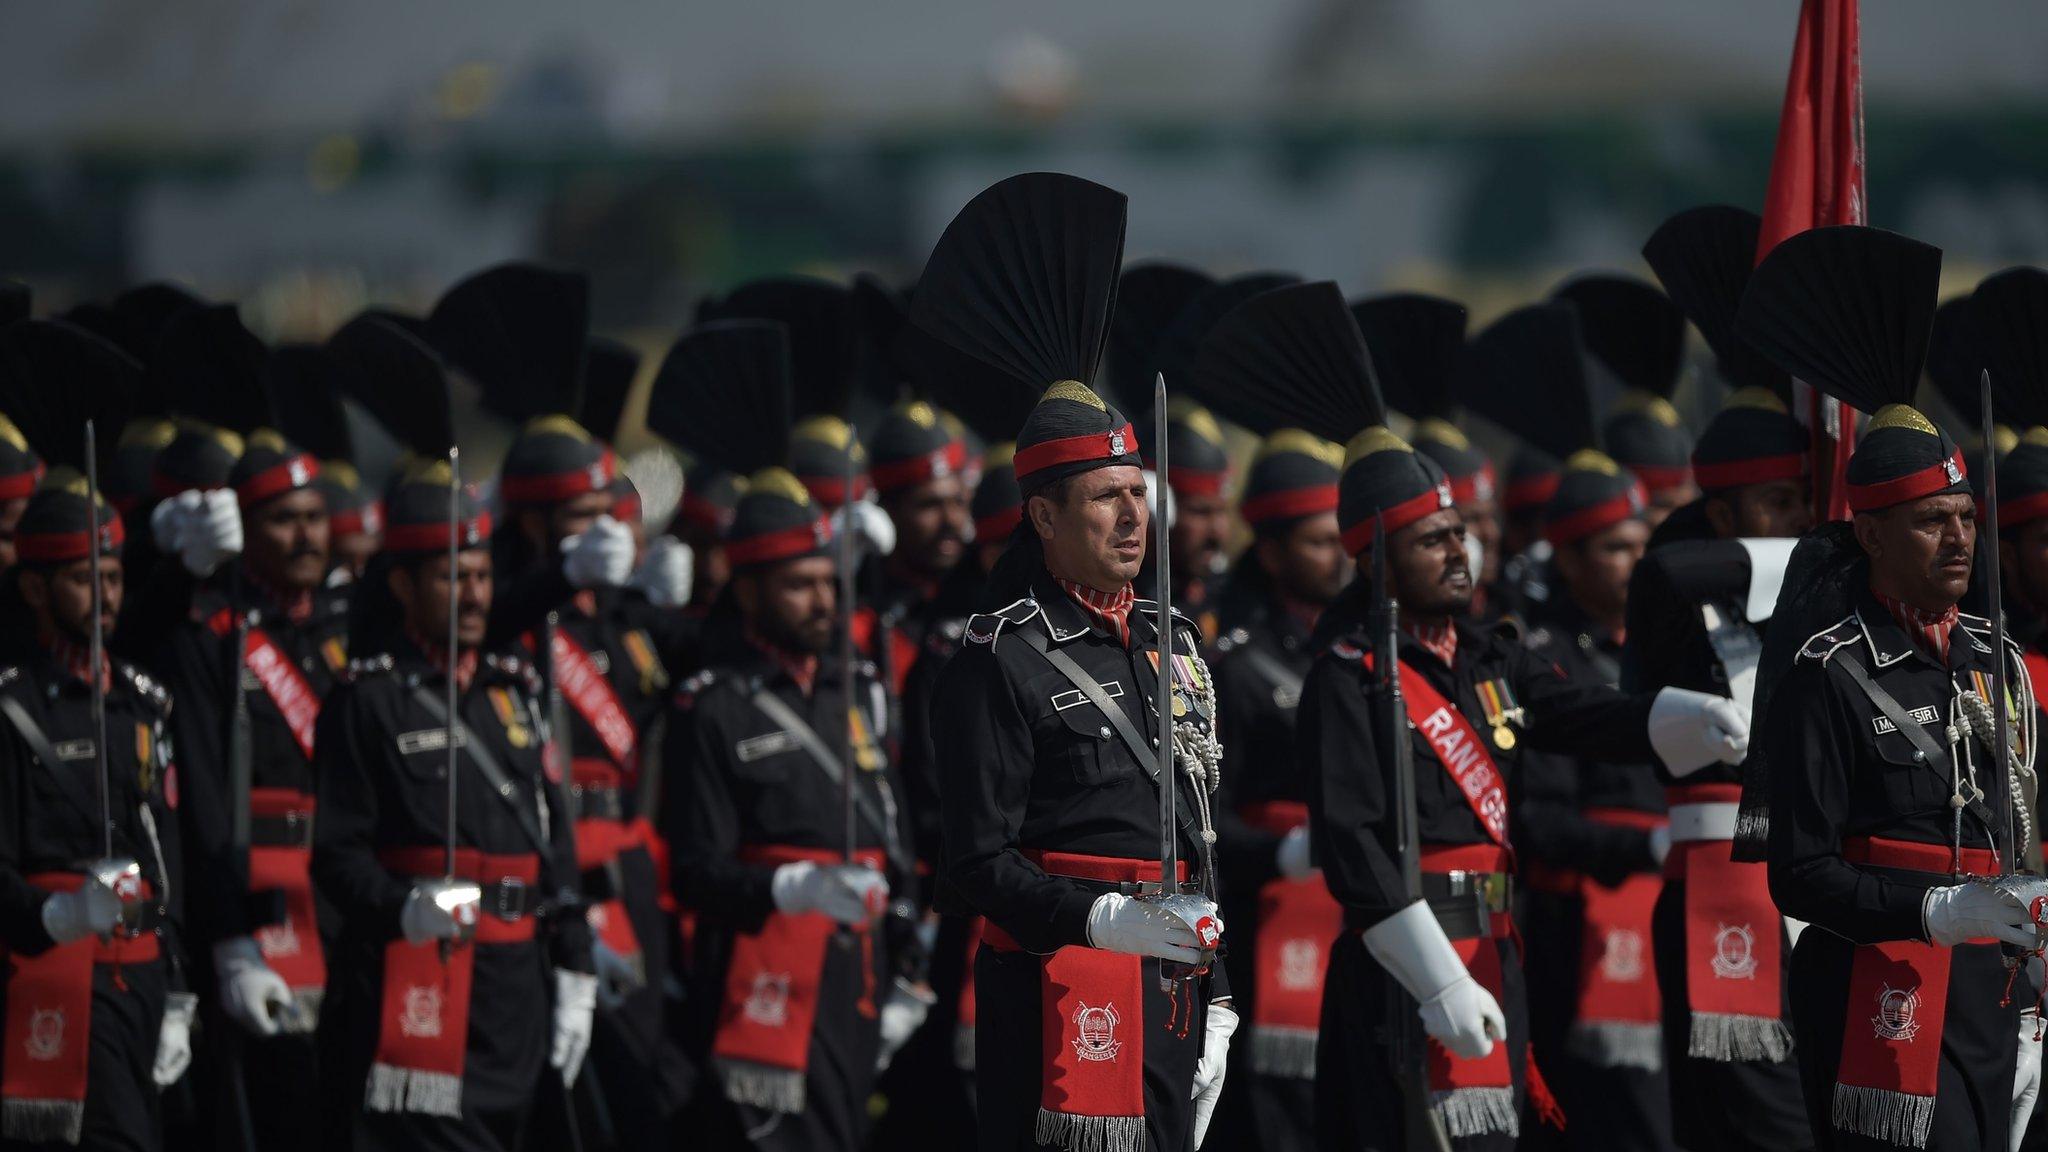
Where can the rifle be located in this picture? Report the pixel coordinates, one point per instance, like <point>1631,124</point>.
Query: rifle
<point>1406,1043</point>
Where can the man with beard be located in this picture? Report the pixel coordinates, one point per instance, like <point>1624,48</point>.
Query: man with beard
<point>262,648</point>
<point>1594,838</point>
<point>710,494</point>
<point>915,468</point>
<point>1468,992</point>
<point>1699,605</point>
<point>1888,797</point>
<point>1274,897</point>
<point>792,970</point>
<point>461,989</point>
<point>1090,1033</point>
<point>95,1000</point>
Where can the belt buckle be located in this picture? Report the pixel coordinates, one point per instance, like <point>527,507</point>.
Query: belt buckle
<point>1496,893</point>
<point>509,887</point>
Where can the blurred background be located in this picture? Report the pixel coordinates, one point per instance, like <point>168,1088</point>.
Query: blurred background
<point>308,159</point>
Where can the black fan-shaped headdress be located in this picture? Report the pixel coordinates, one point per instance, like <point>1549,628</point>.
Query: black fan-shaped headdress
<point>723,395</point>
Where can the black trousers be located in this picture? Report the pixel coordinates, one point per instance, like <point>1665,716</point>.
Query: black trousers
<point>1010,1060</point>
<point>1979,1044</point>
<point>1359,1107</point>
<point>1274,1113</point>
<point>636,1078</point>
<point>929,1096</point>
<point>1721,1105</point>
<point>122,1111</point>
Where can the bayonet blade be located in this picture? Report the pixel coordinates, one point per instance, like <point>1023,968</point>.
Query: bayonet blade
<point>1162,572</point>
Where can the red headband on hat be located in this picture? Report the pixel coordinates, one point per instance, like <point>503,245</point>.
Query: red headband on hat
<point>367,520</point>
<point>1074,449</point>
<point>1196,481</point>
<point>284,476</point>
<point>1473,485</point>
<point>21,484</point>
<point>1925,482</point>
<point>549,486</point>
<point>1659,477</point>
<point>59,547</point>
<point>1290,504</point>
<point>1358,537</point>
<point>1532,492</point>
<point>1761,470</point>
<point>998,525</point>
<point>433,535</point>
<point>1600,517</point>
<point>915,470</point>
<point>779,545</point>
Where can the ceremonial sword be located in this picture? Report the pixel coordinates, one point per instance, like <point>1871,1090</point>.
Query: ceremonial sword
<point>1988,532</point>
<point>449,893</point>
<point>121,874</point>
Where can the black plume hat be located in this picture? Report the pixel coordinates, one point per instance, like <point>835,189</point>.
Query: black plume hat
<point>519,331</point>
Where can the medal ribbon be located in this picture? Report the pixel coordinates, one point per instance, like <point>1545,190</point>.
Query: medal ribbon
<point>1458,748</point>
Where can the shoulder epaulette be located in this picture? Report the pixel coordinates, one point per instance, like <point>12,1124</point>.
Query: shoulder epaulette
<point>1537,637</point>
<point>984,627</point>
<point>9,675</point>
<point>145,685</point>
<point>1510,629</point>
<point>1824,643</point>
<point>516,667</point>
<point>361,666</point>
<point>693,687</point>
<point>1343,649</point>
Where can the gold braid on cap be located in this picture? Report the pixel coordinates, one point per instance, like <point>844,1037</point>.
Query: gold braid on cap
<point>555,425</point>
<point>1373,441</point>
<point>1761,399</point>
<point>1075,392</point>
<point>417,469</point>
<point>12,435</point>
<point>832,432</point>
<point>1196,419</point>
<point>2036,436</point>
<point>779,482</point>
<point>229,441</point>
<point>266,438</point>
<point>2005,438</point>
<point>1297,442</point>
<point>1440,431</point>
<point>919,413</point>
<point>148,432</point>
<point>1592,460</point>
<point>343,474</point>
<point>1648,405</point>
<point>1902,416</point>
<point>1002,455</point>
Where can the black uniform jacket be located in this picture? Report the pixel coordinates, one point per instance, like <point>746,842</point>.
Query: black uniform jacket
<point>1667,633</point>
<point>49,813</point>
<point>1840,769</point>
<point>1262,658</point>
<point>1030,763</point>
<point>1353,826</point>
<point>197,664</point>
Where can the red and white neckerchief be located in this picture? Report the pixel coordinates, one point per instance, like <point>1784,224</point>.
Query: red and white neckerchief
<point>802,669</point>
<point>296,606</point>
<point>437,655</point>
<point>1111,609</point>
<point>1930,630</point>
<point>76,661</point>
<point>1439,636</point>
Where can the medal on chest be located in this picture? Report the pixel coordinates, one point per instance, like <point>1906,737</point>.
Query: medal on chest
<point>1503,711</point>
<point>517,734</point>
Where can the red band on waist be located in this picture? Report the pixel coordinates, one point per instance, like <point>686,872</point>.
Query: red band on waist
<point>1627,818</point>
<point>1278,816</point>
<point>1678,794</point>
<point>482,868</point>
<point>1464,858</point>
<point>1914,856</point>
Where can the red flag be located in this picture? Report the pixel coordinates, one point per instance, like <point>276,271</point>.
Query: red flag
<point>1816,181</point>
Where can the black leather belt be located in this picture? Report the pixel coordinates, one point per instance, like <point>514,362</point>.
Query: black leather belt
<point>597,803</point>
<point>604,882</point>
<point>292,829</point>
<point>1467,903</point>
<point>510,898</point>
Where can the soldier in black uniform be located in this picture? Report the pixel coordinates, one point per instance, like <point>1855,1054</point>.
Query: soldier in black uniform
<point>1052,813</point>
<point>1464,820</point>
<point>1886,799</point>
<point>1595,841</point>
<point>20,469</point>
<point>456,996</point>
<point>793,966</point>
<point>1282,916</point>
<point>1200,536</point>
<point>254,907</point>
<point>916,470</point>
<point>1698,606</point>
<point>97,1021</point>
<point>710,494</point>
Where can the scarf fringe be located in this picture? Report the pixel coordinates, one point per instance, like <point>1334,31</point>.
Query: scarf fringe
<point>1753,824</point>
<point>963,1047</point>
<point>1091,1133</point>
<point>395,1089</point>
<point>1285,1052</point>
<point>1616,1044</point>
<point>761,1086</point>
<point>43,1121</point>
<point>1894,1117</point>
<point>1477,1112</point>
<point>1733,1039</point>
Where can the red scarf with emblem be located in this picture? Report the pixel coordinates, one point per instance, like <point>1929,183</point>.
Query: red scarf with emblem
<point>1297,921</point>
<point>1619,1022</point>
<point>1734,940</point>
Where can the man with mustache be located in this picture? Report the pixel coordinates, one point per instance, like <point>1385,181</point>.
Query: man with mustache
<point>915,466</point>
<point>97,1021</point>
<point>796,947</point>
<point>1199,534</point>
<point>245,739</point>
<point>459,994</point>
<point>1889,800</point>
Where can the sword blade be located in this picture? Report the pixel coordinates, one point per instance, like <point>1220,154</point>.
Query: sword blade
<point>98,651</point>
<point>454,603</point>
<point>1987,536</point>
<point>1162,571</point>
<point>846,668</point>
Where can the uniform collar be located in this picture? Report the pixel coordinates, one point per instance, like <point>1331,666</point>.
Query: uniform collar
<point>1889,644</point>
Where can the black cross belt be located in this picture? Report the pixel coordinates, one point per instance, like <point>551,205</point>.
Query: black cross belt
<point>292,829</point>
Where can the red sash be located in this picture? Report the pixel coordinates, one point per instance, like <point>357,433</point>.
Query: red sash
<point>49,1027</point>
<point>1458,748</point>
<point>292,946</point>
<point>1898,1002</point>
<point>423,1021</point>
<point>1734,943</point>
<point>1474,1097</point>
<point>587,691</point>
<point>1619,1019</point>
<point>1092,1024</point>
<point>1297,921</point>
<point>598,844</point>
<point>763,1041</point>
<point>963,1029</point>
<point>281,679</point>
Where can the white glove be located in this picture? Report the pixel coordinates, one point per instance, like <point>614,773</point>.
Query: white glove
<point>174,1039</point>
<point>1214,1063</point>
<point>850,895</point>
<point>575,1003</point>
<point>1660,843</point>
<point>432,914</point>
<point>2026,1082</point>
<point>617,976</point>
<point>91,910</point>
<point>1118,923</point>
<point>1455,1010</point>
<point>172,518</point>
<point>903,1014</point>
<point>600,556</point>
<point>666,572</point>
<point>1292,858</point>
<point>1963,912</point>
<point>212,532</point>
<point>251,992</point>
<point>1690,730</point>
<point>874,531</point>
